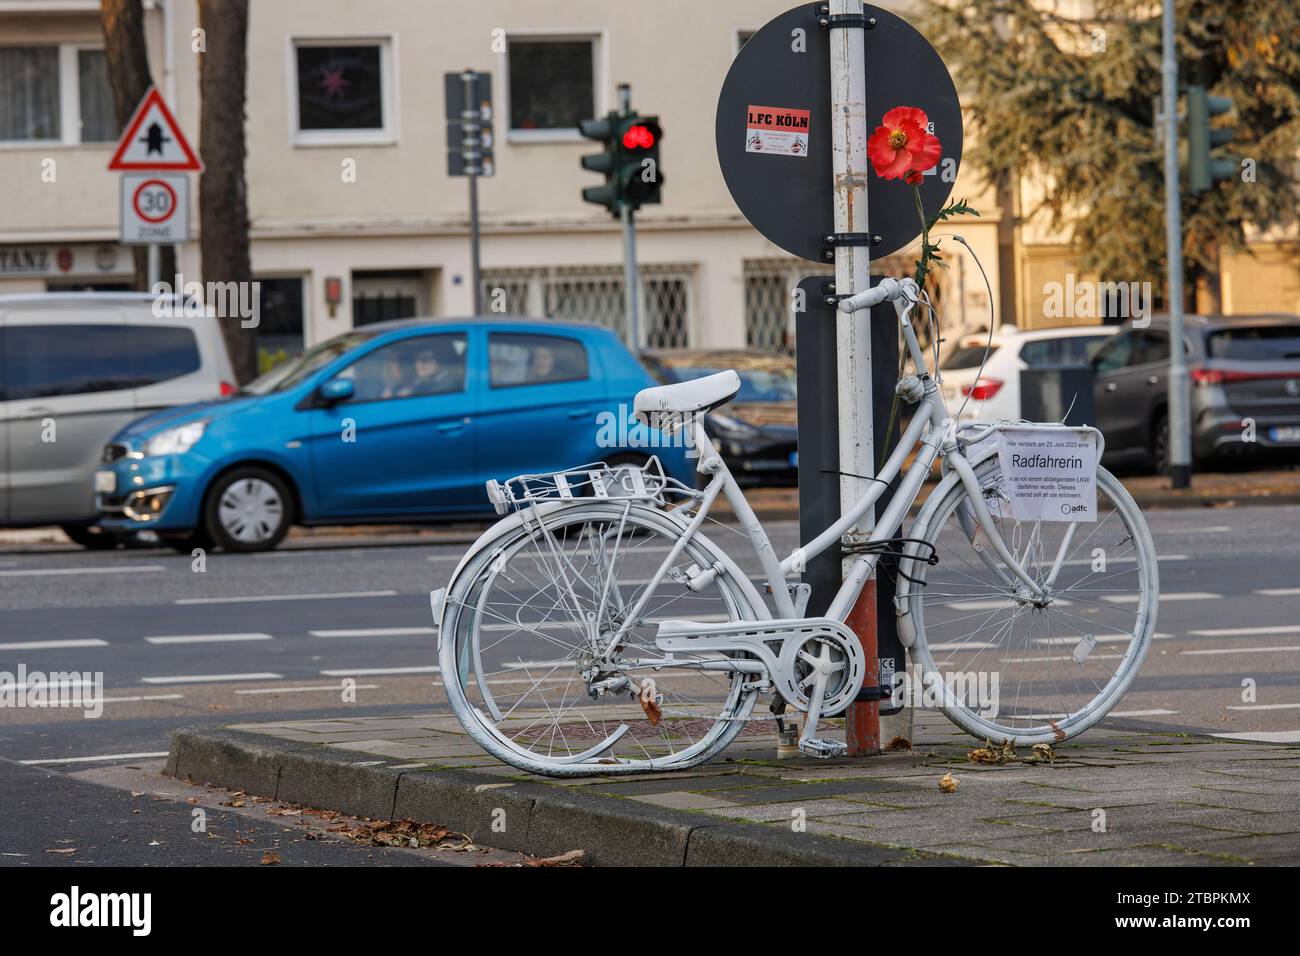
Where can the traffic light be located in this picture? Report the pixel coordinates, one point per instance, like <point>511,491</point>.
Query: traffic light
<point>642,181</point>
<point>602,130</point>
<point>630,161</point>
<point>1204,170</point>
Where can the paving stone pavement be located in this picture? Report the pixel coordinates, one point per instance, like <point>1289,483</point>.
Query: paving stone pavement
<point>1109,798</point>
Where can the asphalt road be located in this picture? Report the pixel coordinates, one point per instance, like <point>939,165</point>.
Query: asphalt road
<point>258,636</point>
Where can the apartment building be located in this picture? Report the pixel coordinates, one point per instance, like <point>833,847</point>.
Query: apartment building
<point>354,217</point>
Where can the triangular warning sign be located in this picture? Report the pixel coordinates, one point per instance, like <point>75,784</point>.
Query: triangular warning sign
<point>153,140</point>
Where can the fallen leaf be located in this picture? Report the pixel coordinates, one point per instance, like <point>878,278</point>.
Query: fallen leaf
<point>68,850</point>
<point>986,754</point>
<point>898,743</point>
<point>1042,753</point>
<point>271,859</point>
<point>948,784</point>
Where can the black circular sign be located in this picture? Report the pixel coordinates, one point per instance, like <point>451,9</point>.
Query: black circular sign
<point>774,129</point>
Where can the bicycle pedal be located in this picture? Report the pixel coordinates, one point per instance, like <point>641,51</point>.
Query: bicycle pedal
<point>823,747</point>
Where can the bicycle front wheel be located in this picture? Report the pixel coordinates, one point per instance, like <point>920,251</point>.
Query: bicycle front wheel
<point>527,619</point>
<point>1005,667</point>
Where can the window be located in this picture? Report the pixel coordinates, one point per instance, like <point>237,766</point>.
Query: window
<point>968,356</point>
<point>1268,343</point>
<point>1068,350</point>
<point>1150,348</point>
<point>29,94</point>
<point>43,361</point>
<point>342,92</point>
<point>1114,354</point>
<point>521,359</point>
<point>55,94</point>
<point>280,321</point>
<point>552,84</point>
<point>98,119</point>
<point>410,368</point>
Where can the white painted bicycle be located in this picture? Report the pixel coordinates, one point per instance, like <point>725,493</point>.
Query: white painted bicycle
<point>597,630</point>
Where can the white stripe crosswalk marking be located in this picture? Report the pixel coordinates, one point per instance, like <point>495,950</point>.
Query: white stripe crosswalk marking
<point>52,645</point>
<point>206,638</point>
<point>211,678</point>
<point>377,632</point>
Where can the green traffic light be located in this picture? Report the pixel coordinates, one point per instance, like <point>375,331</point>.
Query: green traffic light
<point>1203,169</point>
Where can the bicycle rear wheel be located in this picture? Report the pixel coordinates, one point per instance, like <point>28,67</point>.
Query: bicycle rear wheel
<point>1001,666</point>
<point>521,622</point>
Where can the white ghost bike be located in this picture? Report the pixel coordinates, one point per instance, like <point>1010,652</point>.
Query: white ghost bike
<point>597,630</point>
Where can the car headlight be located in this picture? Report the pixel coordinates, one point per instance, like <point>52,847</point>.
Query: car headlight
<point>732,427</point>
<point>175,441</point>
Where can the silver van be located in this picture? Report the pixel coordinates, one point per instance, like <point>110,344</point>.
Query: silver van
<point>75,368</point>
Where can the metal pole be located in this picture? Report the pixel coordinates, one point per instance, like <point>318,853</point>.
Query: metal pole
<point>155,266</point>
<point>631,280</point>
<point>1180,439</point>
<point>853,335</point>
<point>471,150</point>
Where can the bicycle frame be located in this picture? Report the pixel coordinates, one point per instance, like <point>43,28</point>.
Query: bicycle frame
<point>930,428</point>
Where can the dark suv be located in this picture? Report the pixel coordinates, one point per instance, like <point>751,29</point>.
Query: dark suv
<point>1245,380</point>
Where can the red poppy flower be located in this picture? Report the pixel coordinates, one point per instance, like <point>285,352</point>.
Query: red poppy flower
<point>902,146</point>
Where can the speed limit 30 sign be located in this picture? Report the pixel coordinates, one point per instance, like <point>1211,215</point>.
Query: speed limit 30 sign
<point>155,209</point>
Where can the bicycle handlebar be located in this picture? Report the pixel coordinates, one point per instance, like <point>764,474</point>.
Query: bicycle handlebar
<point>888,290</point>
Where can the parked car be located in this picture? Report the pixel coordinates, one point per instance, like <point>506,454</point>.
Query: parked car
<point>1245,378</point>
<point>757,433</point>
<point>74,369</point>
<point>994,391</point>
<point>399,421</point>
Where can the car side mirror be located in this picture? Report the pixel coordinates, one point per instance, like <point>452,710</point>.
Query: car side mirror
<point>335,390</point>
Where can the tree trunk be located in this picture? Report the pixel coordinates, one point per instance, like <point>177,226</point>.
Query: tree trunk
<point>129,78</point>
<point>223,191</point>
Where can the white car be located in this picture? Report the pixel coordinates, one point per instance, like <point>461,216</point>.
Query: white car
<point>994,390</point>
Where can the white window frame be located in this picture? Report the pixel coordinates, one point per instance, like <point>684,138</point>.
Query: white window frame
<point>69,100</point>
<point>389,133</point>
<point>599,71</point>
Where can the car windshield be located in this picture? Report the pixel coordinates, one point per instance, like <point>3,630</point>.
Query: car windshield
<point>1261,343</point>
<point>756,384</point>
<point>968,356</point>
<point>290,373</point>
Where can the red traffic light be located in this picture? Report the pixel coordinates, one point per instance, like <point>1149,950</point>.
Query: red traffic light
<point>639,137</point>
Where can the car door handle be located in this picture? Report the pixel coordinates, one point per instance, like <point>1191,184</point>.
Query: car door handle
<point>579,412</point>
<point>1153,379</point>
<point>452,426</point>
<point>1111,386</point>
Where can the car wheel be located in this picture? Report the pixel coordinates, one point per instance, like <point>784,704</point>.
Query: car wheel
<point>90,537</point>
<point>248,509</point>
<point>1160,445</point>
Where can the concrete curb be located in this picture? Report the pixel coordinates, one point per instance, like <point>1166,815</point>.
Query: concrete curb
<point>539,818</point>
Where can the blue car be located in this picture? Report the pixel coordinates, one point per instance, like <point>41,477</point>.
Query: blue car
<point>395,422</point>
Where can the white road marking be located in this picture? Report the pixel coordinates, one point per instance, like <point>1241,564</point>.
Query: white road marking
<point>1264,707</point>
<point>378,671</point>
<point>1157,712</point>
<point>1265,736</point>
<point>994,604</point>
<point>1099,638</point>
<point>1040,660</point>
<point>206,638</point>
<point>1213,529</point>
<point>377,632</point>
<point>1243,650</point>
<point>1279,592</point>
<point>299,690</point>
<point>211,678</point>
<point>34,573</point>
<point>285,597</point>
<point>1248,631</point>
<point>962,646</point>
<point>43,685</point>
<point>53,645</point>
<point>116,700</point>
<point>1175,596</point>
<point>100,757</point>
